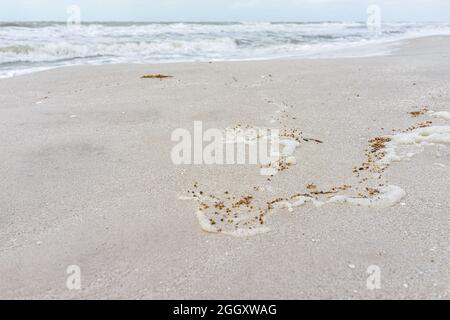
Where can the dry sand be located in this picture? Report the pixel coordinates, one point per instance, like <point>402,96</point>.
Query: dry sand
<point>87,179</point>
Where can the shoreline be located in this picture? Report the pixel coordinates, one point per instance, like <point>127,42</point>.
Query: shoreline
<point>388,48</point>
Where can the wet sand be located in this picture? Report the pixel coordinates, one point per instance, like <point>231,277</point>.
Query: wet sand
<point>87,179</point>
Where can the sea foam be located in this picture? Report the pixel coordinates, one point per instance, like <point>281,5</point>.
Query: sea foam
<point>28,47</point>
<point>407,144</point>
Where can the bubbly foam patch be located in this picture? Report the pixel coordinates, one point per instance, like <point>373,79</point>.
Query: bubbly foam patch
<point>231,215</point>
<point>407,144</point>
<point>384,197</point>
<point>245,231</point>
<point>297,202</point>
<point>247,216</point>
<point>387,197</point>
<point>440,114</point>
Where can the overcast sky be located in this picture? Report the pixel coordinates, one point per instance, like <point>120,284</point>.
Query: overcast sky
<point>224,10</point>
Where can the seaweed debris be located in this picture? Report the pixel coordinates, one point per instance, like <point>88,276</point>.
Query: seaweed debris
<point>156,76</point>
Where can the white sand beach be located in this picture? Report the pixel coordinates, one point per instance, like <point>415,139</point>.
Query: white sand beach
<point>87,179</point>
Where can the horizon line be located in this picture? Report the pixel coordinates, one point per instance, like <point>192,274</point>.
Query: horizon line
<point>229,21</point>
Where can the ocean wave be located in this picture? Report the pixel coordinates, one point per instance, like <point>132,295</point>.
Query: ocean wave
<point>130,50</point>
<point>31,45</point>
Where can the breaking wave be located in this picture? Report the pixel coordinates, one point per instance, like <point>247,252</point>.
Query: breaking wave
<point>31,46</point>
